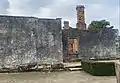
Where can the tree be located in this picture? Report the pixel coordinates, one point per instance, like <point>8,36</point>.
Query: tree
<point>99,25</point>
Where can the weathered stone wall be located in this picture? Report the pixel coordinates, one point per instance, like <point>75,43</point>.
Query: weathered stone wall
<point>117,67</point>
<point>98,44</point>
<point>93,44</point>
<point>29,39</point>
<point>118,44</point>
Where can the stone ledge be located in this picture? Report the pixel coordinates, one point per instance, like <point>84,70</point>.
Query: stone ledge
<point>117,67</point>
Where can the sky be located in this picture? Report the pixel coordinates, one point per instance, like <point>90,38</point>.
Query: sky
<point>65,9</point>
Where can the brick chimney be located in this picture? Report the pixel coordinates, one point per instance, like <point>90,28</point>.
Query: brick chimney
<point>66,25</point>
<point>81,25</point>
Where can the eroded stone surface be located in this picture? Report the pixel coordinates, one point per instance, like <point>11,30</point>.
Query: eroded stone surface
<point>29,39</point>
<point>97,44</point>
<point>117,67</point>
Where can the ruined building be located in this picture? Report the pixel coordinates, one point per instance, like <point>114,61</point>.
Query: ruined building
<point>26,40</point>
<point>81,43</point>
<point>30,39</point>
<point>118,49</point>
<point>81,25</point>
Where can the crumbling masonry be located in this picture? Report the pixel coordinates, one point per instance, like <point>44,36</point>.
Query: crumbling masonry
<point>28,40</point>
<point>34,40</point>
<point>79,42</point>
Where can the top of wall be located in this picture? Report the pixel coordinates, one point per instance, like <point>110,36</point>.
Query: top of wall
<point>74,32</point>
<point>29,17</point>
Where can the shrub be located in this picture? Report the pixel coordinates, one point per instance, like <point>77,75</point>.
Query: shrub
<point>99,68</point>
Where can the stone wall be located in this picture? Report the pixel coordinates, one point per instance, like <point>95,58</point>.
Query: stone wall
<point>98,44</point>
<point>117,67</point>
<point>118,49</point>
<point>92,44</point>
<point>29,39</point>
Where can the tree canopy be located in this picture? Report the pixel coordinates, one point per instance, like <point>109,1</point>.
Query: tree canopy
<point>99,25</point>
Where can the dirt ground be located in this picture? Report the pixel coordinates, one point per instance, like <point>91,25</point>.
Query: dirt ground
<point>54,77</point>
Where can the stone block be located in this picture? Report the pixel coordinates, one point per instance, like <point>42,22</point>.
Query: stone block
<point>117,68</point>
<point>25,40</point>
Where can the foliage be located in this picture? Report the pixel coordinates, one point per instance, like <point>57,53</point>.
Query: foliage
<point>99,68</point>
<point>99,25</point>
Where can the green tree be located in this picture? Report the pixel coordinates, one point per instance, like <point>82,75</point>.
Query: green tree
<point>99,25</point>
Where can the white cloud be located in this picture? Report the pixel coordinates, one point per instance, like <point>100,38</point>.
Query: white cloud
<point>66,9</point>
<point>4,4</point>
<point>27,7</point>
<point>103,12</point>
<point>43,12</point>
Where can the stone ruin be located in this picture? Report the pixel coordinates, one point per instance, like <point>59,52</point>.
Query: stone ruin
<point>26,40</point>
<point>91,44</point>
<point>81,43</point>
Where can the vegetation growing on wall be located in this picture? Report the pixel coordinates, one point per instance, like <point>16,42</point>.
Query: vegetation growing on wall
<point>99,25</point>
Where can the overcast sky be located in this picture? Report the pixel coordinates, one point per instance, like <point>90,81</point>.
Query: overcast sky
<point>65,9</point>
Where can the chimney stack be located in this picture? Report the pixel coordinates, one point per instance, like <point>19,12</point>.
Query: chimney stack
<point>81,25</point>
<point>66,25</point>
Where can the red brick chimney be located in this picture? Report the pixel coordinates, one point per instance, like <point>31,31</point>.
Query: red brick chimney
<point>81,25</point>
